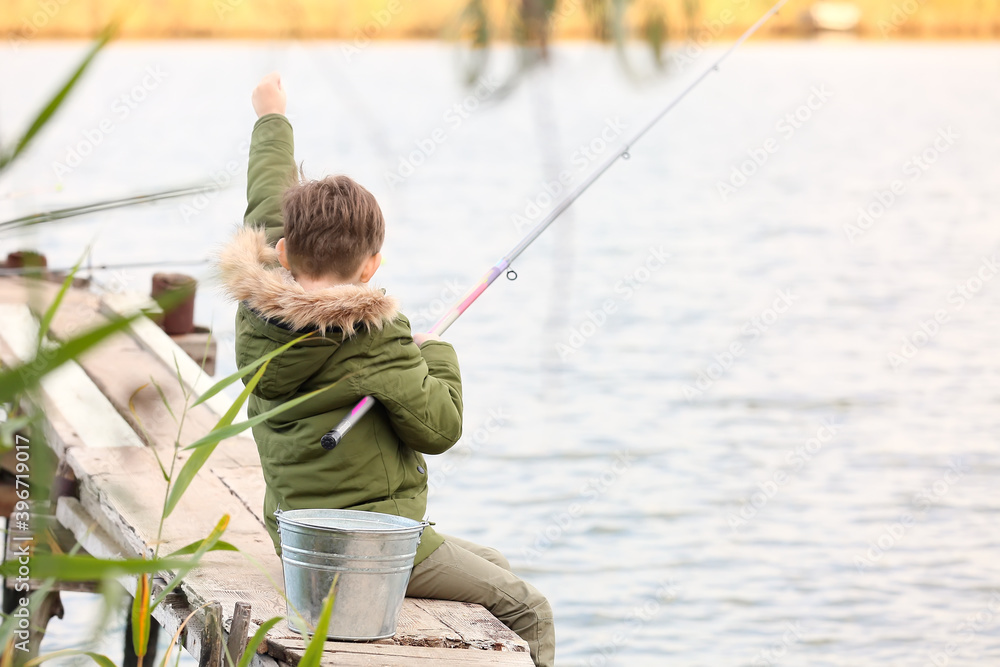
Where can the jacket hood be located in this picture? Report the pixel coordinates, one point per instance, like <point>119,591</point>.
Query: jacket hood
<point>249,269</point>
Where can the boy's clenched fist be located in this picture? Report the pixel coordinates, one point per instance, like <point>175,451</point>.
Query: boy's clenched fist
<point>269,96</point>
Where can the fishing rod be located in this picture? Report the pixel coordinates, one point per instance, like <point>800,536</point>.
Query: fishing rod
<point>335,435</point>
<point>24,270</point>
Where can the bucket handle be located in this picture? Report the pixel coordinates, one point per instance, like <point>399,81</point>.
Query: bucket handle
<point>278,513</point>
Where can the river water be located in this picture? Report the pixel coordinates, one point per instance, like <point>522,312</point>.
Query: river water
<point>740,405</point>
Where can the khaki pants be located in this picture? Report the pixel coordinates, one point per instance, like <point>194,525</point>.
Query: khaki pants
<point>466,572</point>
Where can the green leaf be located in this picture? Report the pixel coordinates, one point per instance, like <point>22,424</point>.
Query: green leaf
<point>46,114</point>
<point>314,652</point>
<point>225,382</point>
<point>163,396</point>
<point>102,660</point>
<point>64,567</point>
<point>140,616</point>
<point>221,434</point>
<point>9,429</point>
<point>206,545</point>
<point>193,548</point>
<point>50,312</point>
<point>180,379</point>
<point>257,638</point>
<point>200,455</point>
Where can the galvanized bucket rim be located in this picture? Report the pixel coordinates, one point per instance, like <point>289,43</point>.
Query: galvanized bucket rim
<point>379,528</point>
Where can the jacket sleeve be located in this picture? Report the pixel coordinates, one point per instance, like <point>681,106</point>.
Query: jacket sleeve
<point>270,171</point>
<point>420,388</point>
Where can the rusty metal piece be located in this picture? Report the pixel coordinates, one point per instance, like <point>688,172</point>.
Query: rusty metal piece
<point>26,258</point>
<point>180,319</point>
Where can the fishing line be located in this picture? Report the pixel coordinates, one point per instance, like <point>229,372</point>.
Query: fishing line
<point>97,207</point>
<point>334,436</point>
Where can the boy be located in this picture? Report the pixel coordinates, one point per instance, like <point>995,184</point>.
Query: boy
<point>326,237</point>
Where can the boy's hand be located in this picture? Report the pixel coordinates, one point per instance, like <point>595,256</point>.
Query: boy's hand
<point>421,338</point>
<point>269,96</point>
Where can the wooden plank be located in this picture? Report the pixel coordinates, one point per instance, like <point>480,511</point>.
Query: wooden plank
<point>156,341</point>
<point>128,375</point>
<point>437,624</point>
<point>477,629</point>
<point>95,540</point>
<point>79,401</point>
<point>343,654</point>
<point>124,491</point>
<point>239,632</point>
<point>247,484</point>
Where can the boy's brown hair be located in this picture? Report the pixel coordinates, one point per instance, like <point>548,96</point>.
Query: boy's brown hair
<point>331,226</point>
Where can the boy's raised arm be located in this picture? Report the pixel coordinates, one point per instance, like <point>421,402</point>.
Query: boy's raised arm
<point>272,158</point>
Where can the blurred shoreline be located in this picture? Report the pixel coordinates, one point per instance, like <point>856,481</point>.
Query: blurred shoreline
<point>362,21</point>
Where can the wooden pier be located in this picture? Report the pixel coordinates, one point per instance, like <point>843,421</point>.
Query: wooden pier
<point>105,420</point>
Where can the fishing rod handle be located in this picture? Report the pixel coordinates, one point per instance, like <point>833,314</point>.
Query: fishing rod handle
<point>337,433</point>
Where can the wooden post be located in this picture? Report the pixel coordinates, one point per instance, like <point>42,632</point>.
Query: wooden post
<point>51,605</point>
<point>238,638</point>
<point>211,647</point>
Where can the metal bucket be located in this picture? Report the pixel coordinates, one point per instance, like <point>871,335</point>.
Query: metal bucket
<point>373,554</point>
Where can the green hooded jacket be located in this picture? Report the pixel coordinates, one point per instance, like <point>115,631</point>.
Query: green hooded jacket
<point>360,344</point>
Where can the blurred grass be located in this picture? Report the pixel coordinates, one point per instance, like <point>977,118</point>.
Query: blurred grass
<point>431,19</point>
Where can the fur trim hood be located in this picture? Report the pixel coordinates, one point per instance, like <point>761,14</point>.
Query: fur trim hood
<point>250,272</point>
